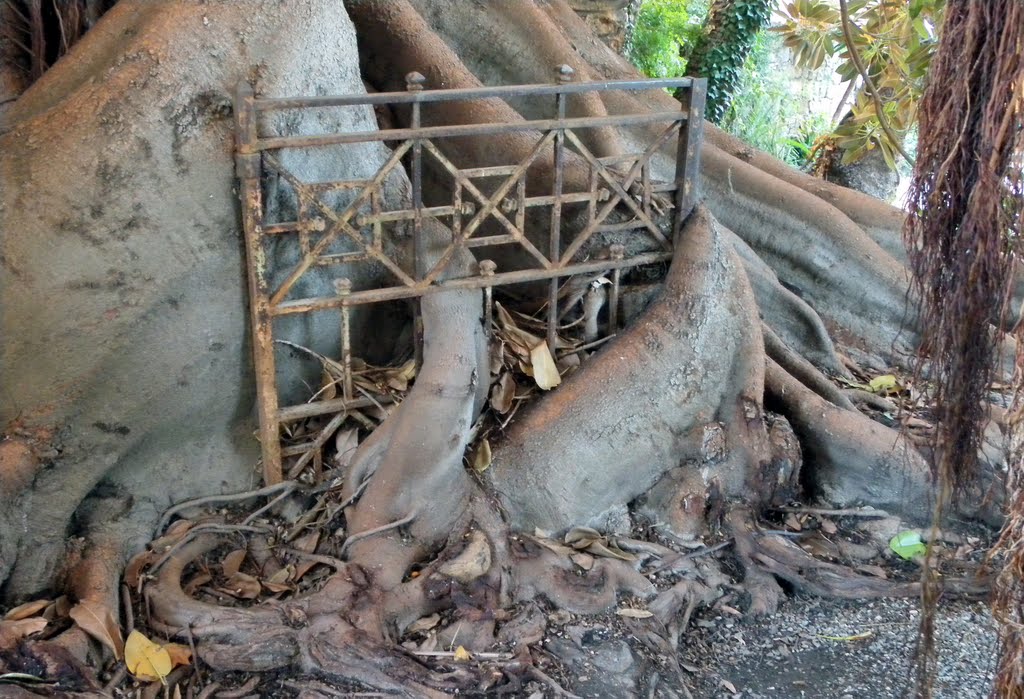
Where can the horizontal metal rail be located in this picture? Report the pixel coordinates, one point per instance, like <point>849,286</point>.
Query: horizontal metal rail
<point>395,293</point>
<point>265,104</point>
<point>432,132</point>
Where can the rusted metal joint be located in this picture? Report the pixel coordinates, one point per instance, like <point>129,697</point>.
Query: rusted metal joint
<point>247,165</point>
<point>313,224</point>
<point>508,205</point>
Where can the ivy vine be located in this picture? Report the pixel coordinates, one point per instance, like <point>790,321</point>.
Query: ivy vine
<point>722,47</point>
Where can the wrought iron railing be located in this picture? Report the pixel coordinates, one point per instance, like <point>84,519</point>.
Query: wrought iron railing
<point>476,219</point>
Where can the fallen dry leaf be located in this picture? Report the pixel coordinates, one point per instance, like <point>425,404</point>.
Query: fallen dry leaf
<point>828,526</point>
<point>482,456</point>
<point>58,609</point>
<point>545,373</point>
<point>424,624</point>
<point>12,631</point>
<point>345,443</point>
<point>97,621</point>
<point>180,655</point>
<point>599,548</point>
<point>147,661</point>
<point>631,613</point>
<point>242,586</point>
<point>281,575</point>
<point>583,560</point>
<point>24,611</point>
<point>138,563</point>
<point>173,535</point>
<point>195,582</point>
<point>462,655</point>
<point>328,386</point>
<point>503,392</point>
<point>232,563</point>
<point>472,562</point>
<point>308,543</point>
<point>877,571</point>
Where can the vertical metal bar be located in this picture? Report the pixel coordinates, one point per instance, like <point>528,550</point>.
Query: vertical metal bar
<point>343,287</point>
<point>487,269</point>
<point>594,195</point>
<point>565,75</point>
<point>304,223</point>
<point>521,205</point>
<point>645,178</point>
<point>247,169</point>
<point>378,233</point>
<point>414,83</point>
<point>457,211</point>
<point>691,134</point>
<point>617,251</point>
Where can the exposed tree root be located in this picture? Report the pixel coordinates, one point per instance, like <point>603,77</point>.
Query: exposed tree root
<point>802,370</point>
<point>856,460</point>
<point>599,441</point>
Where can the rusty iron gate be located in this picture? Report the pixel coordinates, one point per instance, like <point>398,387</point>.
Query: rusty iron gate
<point>614,182</point>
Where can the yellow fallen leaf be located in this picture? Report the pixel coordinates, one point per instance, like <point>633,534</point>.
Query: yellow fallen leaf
<point>545,373</point>
<point>462,655</point>
<point>883,384</point>
<point>482,456</point>
<point>146,660</point>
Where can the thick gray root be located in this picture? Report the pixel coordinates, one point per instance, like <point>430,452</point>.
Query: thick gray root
<point>855,460</point>
<point>420,453</point>
<point>641,405</point>
<point>125,358</point>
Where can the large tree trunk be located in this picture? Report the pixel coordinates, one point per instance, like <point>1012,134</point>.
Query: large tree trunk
<point>126,375</point>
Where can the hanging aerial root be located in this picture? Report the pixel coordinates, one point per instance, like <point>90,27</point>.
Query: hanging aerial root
<point>967,202</point>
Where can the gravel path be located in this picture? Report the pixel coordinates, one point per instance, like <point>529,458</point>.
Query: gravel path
<point>787,657</point>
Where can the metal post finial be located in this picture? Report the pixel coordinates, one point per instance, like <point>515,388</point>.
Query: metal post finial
<point>343,286</point>
<point>414,81</point>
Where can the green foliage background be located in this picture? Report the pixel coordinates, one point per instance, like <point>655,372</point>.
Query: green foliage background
<point>762,112</point>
